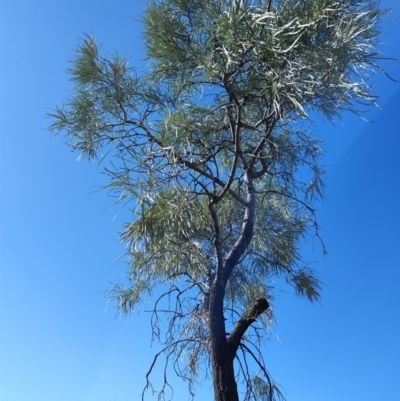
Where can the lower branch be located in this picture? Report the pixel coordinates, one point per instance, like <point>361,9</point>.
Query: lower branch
<point>249,317</point>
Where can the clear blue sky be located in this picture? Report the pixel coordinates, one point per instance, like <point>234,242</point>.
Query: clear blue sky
<point>59,248</point>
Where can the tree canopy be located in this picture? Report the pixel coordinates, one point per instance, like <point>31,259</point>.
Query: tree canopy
<point>211,146</point>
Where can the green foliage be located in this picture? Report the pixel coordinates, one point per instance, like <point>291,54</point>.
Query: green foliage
<point>211,145</point>
<point>303,54</point>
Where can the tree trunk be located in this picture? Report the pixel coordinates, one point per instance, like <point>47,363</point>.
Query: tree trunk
<point>225,387</point>
<point>223,349</point>
<point>221,352</point>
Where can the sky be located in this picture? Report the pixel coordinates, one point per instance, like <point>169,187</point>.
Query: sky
<point>59,249</point>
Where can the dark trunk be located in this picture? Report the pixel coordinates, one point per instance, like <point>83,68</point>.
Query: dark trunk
<point>225,388</point>
<point>223,349</point>
<point>222,356</point>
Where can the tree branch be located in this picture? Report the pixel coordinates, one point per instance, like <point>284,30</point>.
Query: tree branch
<point>249,317</point>
<point>246,233</point>
<point>262,143</point>
<point>190,165</point>
<point>235,133</point>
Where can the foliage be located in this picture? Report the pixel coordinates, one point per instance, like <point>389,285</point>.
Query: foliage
<point>211,146</point>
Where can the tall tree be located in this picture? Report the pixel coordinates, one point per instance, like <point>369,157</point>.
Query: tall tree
<point>211,146</point>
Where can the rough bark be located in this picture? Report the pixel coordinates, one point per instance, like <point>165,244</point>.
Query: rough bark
<point>223,349</point>
<point>225,388</point>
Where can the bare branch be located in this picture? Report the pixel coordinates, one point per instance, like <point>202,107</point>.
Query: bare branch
<point>249,317</point>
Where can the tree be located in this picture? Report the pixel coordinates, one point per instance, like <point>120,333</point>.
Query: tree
<point>211,147</point>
